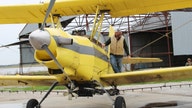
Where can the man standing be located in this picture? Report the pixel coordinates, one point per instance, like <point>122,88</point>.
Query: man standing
<point>117,48</point>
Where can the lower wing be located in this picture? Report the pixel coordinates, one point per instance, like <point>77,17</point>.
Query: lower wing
<point>13,80</point>
<point>148,75</point>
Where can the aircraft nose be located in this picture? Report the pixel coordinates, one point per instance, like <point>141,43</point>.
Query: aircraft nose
<point>38,38</point>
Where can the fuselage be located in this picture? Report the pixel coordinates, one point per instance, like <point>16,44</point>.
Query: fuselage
<point>82,60</point>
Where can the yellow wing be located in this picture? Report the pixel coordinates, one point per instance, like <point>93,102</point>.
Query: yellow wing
<point>135,60</point>
<point>8,80</point>
<point>34,13</point>
<point>164,74</point>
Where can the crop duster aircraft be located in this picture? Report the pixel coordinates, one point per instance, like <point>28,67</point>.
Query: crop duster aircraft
<point>77,62</point>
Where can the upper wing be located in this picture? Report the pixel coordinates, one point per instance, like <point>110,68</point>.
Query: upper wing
<point>134,60</point>
<point>34,13</point>
<point>7,80</point>
<point>152,75</point>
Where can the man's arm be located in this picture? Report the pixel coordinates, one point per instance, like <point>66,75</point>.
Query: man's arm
<point>126,47</point>
<point>107,42</point>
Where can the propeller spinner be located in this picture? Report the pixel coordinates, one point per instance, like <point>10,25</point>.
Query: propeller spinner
<point>39,38</point>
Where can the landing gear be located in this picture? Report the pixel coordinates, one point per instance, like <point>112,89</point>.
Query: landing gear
<point>33,103</point>
<point>119,102</point>
<point>114,91</point>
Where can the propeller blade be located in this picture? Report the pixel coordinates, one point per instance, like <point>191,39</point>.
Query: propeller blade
<point>70,97</point>
<point>16,43</point>
<point>51,4</point>
<point>71,94</point>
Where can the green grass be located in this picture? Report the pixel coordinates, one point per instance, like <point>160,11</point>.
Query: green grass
<point>30,88</point>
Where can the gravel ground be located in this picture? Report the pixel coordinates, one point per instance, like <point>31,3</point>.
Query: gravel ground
<point>180,95</point>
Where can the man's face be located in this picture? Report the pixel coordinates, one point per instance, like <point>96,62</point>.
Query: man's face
<point>118,35</point>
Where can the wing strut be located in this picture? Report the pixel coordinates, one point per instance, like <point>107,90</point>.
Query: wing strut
<point>94,24</point>
<point>99,24</point>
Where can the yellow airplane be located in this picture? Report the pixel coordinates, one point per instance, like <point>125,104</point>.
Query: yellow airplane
<point>79,63</point>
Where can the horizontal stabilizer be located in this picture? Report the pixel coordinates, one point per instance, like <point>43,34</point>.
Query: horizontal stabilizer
<point>135,60</point>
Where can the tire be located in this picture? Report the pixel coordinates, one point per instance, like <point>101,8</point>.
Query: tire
<point>119,102</point>
<point>32,103</point>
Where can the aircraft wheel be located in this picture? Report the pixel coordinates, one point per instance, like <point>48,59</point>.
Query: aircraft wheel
<point>119,102</point>
<point>32,103</point>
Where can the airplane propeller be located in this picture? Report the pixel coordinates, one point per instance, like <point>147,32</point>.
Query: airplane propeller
<point>40,39</point>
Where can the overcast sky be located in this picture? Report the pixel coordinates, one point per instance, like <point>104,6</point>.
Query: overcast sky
<point>9,33</point>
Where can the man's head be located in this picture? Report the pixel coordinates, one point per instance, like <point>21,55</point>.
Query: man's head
<point>118,34</point>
